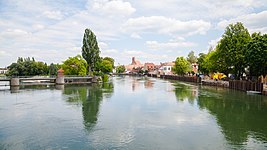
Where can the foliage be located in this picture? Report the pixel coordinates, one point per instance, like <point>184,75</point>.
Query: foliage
<point>120,69</point>
<point>232,47</point>
<point>75,66</point>
<point>111,60</point>
<point>97,73</point>
<point>181,66</point>
<point>200,61</point>
<point>53,68</point>
<point>106,66</point>
<point>27,67</point>
<point>256,55</point>
<point>191,58</point>
<point>210,63</point>
<point>90,50</point>
<point>105,78</point>
<point>213,63</point>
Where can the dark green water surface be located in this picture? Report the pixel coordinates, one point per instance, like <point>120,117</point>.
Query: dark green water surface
<point>132,113</point>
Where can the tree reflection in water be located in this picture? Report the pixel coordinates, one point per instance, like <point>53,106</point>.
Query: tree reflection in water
<point>185,92</point>
<point>239,115</point>
<point>90,98</point>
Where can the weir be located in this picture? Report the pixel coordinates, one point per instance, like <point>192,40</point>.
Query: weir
<point>59,80</point>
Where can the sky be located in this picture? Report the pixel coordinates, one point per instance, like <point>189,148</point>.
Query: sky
<point>151,30</point>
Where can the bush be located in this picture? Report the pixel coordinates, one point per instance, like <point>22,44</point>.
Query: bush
<point>97,73</point>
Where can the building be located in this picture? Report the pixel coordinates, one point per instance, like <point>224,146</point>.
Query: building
<point>149,66</point>
<point>194,67</point>
<point>166,68</point>
<point>134,66</point>
<point>3,70</point>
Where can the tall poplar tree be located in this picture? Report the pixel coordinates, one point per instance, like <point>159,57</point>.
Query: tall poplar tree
<point>90,50</point>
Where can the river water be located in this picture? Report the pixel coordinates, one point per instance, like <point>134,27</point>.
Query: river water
<point>132,113</point>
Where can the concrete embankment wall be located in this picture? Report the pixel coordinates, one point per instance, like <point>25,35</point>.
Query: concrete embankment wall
<point>223,84</point>
<point>193,79</point>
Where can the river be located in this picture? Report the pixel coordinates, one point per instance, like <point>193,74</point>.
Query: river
<point>132,113</point>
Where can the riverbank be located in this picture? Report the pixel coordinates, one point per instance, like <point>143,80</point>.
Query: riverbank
<point>245,86</point>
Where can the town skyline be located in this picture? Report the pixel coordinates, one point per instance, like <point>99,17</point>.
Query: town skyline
<point>152,32</point>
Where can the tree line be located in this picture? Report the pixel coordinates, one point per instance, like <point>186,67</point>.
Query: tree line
<point>29,67</point>
<point>237,53</point>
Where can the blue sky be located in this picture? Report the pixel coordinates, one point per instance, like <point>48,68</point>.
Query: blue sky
<point>152,31</point>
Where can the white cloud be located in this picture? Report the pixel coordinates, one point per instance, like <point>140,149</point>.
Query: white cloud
<point>165,25</point>
<point>15,32</point>
<point>102,45</point>
<point>195,9</point>
<point>113,7</point>
<point>57,15</point>
<point>111,51</point>
<point>38,26</point>
<point>211,44</point>
<point>54,30</point>
<point>132,52</point>
<point>4,53</point>
<point>136,36</point>
<point>170,45</point>
<point>255,22</point>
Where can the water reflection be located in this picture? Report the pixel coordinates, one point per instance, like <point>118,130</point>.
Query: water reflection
<point>90,98</point>
<point>239,115</point>
<point>59,87</point>
<point>137,82</point>
<point>242,117</point>
<point>148,83</point>
<point>103,116</point>
<point>14,89</point>
<point>185,91</point>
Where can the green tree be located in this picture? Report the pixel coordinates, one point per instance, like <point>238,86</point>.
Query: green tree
<point>106,66</point>
<point>53,68</point>
<point>120,69</point>
<point>111,60</point>
<point>210,62</point>
<point>191,58</point>
<point>27,67</point>
<point>90,50</point>
<point>14,70</point>
<point>200,61</point>
<point>232,48</point>
<point>75,66</point>
<point>182,66</point>
<point>256,54</point>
